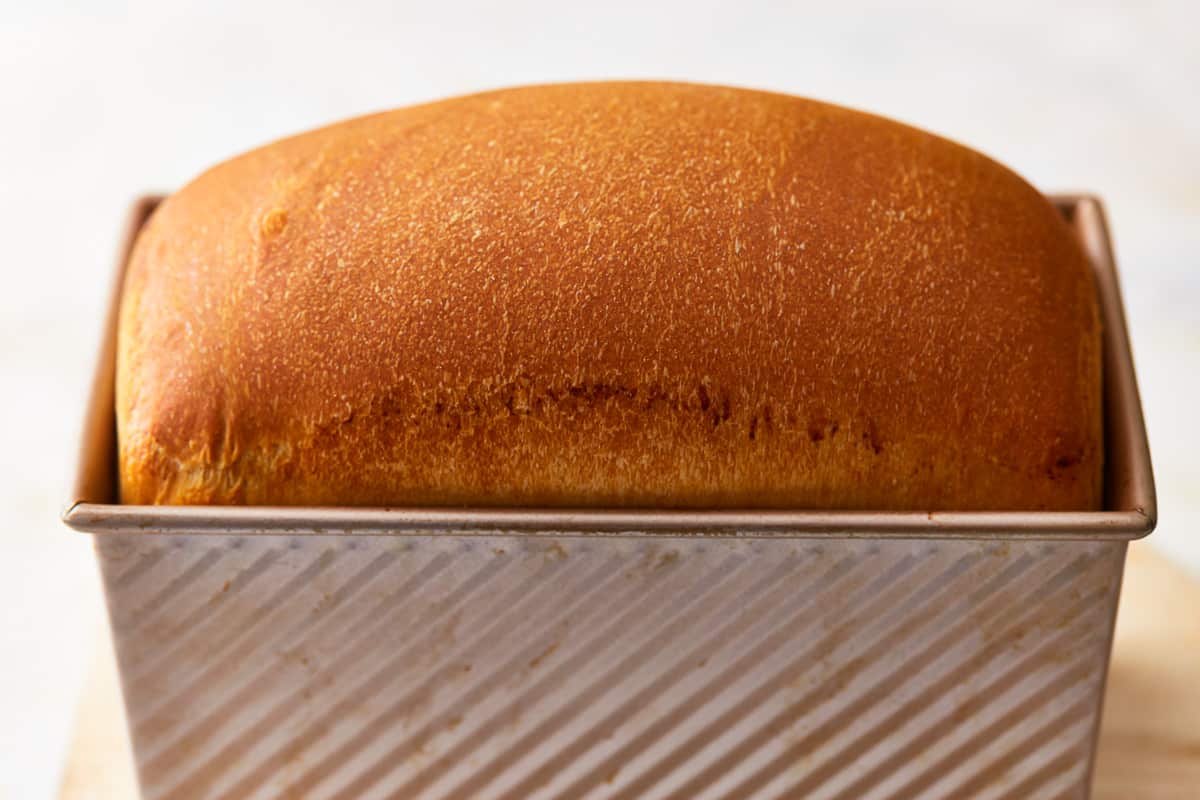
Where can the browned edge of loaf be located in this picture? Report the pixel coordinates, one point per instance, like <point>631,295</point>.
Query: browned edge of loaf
<point>611,294</point>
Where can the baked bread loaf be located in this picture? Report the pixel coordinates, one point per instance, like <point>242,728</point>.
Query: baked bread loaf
<point>611,294</point>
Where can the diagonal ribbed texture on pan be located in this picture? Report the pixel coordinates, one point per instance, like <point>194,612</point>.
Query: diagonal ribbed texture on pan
<point>653,667</point>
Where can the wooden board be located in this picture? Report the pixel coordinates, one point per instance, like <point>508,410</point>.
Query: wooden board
<point>1150,733</point>
<point>1149,741</point>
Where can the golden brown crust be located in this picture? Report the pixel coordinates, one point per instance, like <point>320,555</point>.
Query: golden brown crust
<point>620,294</point>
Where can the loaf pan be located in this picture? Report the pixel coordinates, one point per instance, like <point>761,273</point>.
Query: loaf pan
<point>529,653</point>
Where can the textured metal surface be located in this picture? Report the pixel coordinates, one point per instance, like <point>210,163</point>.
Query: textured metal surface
<point>673,667</point>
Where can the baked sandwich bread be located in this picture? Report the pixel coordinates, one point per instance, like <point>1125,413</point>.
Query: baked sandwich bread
<point>611,294</point>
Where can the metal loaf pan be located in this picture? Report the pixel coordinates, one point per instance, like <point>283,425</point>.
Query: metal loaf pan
<point>359,653</point>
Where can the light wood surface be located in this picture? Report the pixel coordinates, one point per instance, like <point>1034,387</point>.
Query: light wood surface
<point>100,763</point>
<point>1149,741</point>
<point>1150,733</point>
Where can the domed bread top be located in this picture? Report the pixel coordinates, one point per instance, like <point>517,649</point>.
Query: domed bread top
<point>611,294</point>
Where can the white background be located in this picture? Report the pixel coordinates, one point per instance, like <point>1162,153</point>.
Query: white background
<point>103,101</point>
